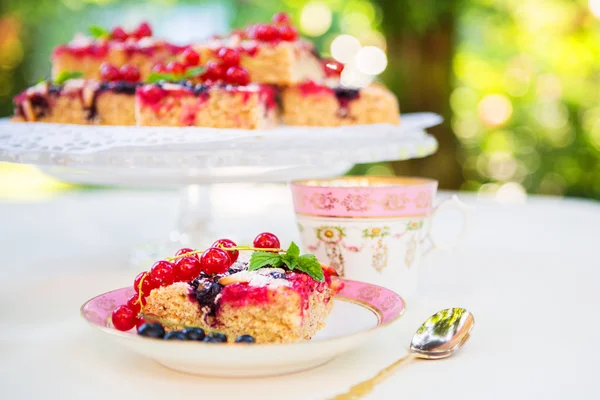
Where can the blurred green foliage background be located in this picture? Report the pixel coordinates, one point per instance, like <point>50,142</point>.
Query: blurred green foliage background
<point>516,80</point>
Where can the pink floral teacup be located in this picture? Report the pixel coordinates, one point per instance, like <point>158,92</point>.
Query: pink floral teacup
<point>371,229</point>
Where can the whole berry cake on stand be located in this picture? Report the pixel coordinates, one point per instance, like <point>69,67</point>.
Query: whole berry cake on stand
<point>232,81</point>
<point>272,297</point>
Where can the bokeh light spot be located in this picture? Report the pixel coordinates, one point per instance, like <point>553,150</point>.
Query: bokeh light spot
<point>315,19</point>
<point>371,60</point>
<point>344,48</point>
<point>495,109</point>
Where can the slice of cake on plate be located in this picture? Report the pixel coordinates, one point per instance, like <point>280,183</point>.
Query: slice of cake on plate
<point>274,297</point>
<point>273,53</point>
<point>85,54</point>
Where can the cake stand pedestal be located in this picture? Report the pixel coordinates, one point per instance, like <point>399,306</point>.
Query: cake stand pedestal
<point>195,159</point>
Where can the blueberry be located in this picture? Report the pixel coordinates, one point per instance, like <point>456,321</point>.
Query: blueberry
<point>245,339</point>
<point>175,335</point>
<point>152,330</point>
<point>215,337</point>
<point>193,333</point>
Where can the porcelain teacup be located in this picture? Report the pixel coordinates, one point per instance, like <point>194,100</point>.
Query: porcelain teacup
<point>372,229</point>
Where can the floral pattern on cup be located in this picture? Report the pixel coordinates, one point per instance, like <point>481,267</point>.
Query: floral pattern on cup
<point>357,202</point>
<point>395,202</point>
<point>333,239</point>
<point>323,201</point>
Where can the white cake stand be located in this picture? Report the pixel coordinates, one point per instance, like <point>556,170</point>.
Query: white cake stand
<point>193,159</point>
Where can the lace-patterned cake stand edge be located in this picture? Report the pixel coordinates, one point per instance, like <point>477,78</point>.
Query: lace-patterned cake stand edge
<point>194,159</point>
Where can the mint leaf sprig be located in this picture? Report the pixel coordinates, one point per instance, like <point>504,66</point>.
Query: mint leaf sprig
<point>66,75</point>
<point>170,77</point>
<point>98,32</point>
<point>292,259</point>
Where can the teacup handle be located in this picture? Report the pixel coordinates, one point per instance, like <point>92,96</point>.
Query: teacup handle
<point>453,203</point>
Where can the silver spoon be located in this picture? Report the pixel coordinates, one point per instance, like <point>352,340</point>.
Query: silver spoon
<point>439,337</point>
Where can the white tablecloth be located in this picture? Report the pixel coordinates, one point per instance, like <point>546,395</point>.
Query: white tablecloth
<point>529,272</point>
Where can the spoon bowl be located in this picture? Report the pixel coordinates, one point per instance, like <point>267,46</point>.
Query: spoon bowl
<point>442,334</point>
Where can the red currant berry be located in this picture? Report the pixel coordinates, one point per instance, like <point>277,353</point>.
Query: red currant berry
<point>164,272</point>
<point>147,285</point>
<point>187,269</point>
<point>176,68</point>
<point>287,33</point>
<point>233,254</point>
<point>281,18</point>
<point>143,30</point>
<point>237,76</point>
<point>159,69</point>
<point>214,71</point>
<point>119,34</point>
<point>134,304</point>
<point>333,68</point>
<point>264,33</point>
<point>190,57</point>
<point>109,72</point>
<point>215,261</point>
<point>130,73</point>
<point>152,93</point>
<point>228,57</point>
<point>266,240</point>
<point>186,250</point>
<point>123,318</point>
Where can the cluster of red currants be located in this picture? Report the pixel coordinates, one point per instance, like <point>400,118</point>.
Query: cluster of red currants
<point>128,73</point>
<point>119,34</point>
<point>226,68</point>
<point>281,29</point>
<point>187,265</point>
<point>189,59</point>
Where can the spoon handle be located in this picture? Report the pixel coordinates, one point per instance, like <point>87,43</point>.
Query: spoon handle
<point>363,388</point>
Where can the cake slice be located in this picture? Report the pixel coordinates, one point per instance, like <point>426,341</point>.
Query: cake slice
<point>272,305</point>
<point>272,53</point>
<point>77,101</point>
<point>219,295</point>
<point>186,103</point>
<point>86,54</point>
<point>330,104</point>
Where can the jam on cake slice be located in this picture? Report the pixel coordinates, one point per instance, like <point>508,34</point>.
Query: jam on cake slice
<point>327,104</point>
<point>138,48</point>
<point>77,101</point>
<point>272,53</point>
<point>187,103</point>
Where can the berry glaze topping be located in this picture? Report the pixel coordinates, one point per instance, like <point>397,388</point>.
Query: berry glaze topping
<point>37,101</point>
<point>152,95</point>
<point>343,95</point>
<point>138,41</point>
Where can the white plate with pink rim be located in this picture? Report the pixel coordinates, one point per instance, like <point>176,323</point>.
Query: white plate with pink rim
<point>360,310</point>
